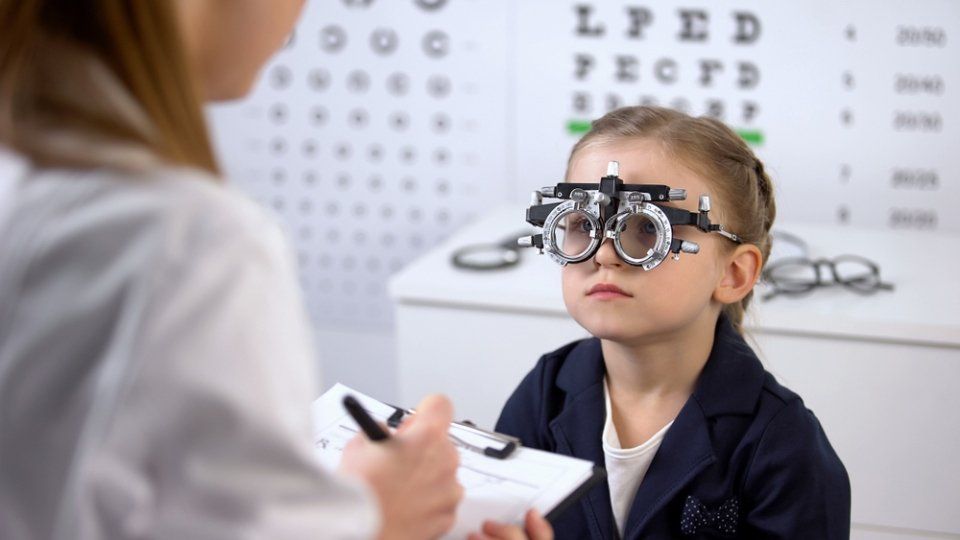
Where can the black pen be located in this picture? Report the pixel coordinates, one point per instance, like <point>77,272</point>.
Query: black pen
<point>369,426</point>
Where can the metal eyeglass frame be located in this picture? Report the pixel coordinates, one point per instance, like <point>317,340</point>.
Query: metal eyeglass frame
<point>867,283</point>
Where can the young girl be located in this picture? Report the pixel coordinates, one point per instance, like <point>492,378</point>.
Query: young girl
<point>697,439</point>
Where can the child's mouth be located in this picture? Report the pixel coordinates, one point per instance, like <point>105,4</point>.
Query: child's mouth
<point>607,291</point>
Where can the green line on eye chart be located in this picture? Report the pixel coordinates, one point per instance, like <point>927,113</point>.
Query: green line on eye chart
<point>578,127</point>
<point>752,136</point>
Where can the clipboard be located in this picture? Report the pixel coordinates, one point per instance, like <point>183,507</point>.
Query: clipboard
<point>500,447</point>
<point>502,479</point>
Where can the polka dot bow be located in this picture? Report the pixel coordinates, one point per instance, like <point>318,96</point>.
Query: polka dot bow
<point>696,516</point>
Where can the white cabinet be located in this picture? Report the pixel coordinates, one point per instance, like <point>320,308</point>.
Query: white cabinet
<point>880,371</point>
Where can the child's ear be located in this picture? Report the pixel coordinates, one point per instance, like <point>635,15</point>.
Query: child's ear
<point>740,273</point>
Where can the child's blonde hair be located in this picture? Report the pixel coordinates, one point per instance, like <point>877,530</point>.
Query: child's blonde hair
<point>738,181</point>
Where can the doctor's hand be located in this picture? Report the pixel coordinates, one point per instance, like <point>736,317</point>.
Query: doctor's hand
<point>537,528</point>
<point>414,473</point>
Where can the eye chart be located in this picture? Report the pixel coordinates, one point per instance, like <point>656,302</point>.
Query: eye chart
<point>374,134</point>
<point>384,125</point>
<point>851,105</point>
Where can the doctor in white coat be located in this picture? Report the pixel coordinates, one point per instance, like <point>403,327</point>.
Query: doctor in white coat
<point>156,368</point>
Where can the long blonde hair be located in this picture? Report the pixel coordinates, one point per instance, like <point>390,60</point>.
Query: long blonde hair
<point>738,179</point>
<point>135,43</point>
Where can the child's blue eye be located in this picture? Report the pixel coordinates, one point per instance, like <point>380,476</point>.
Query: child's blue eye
<point>642,229</point>
<point>579,226</point>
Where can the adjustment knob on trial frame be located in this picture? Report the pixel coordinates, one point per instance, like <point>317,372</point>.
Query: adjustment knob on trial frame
<point>689,247</point>
<point>704,203</point>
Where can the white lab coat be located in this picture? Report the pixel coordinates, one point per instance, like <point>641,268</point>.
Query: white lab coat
<point>156,367</point>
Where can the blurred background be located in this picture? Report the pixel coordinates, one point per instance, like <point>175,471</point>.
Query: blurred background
<point>388,134</point>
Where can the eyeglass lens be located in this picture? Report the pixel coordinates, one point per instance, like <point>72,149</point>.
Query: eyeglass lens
<point>574,234</point>
<point>638,236</point>
<point>793,275</point>
<point>856,273</point>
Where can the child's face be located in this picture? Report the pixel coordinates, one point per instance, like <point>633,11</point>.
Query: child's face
<point>664,300</point>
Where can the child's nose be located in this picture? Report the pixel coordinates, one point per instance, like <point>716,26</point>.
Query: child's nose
<point>607,255</point>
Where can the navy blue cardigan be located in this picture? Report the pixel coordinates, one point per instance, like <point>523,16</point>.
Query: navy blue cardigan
<point>742,446</point>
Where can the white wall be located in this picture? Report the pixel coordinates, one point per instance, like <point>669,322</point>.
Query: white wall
<point>362,359</point>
